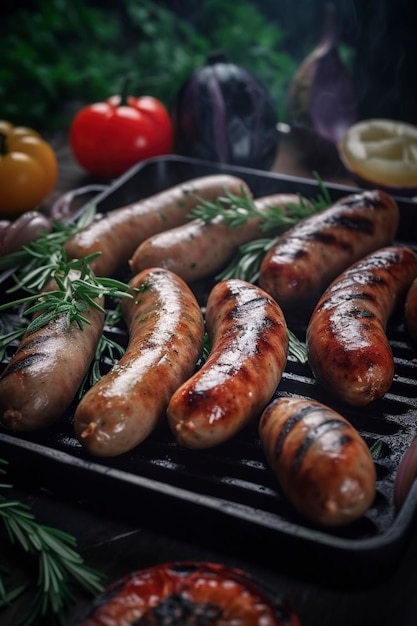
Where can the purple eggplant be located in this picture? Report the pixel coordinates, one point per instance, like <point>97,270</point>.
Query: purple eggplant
<point>222,113</point>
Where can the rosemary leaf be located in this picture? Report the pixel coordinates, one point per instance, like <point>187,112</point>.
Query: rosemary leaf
<point>235,210</point>
<point>297,348</point>
<point>8,596</point>
<point>6,340</point>
<point>58,564</point>
<point>247,261</point>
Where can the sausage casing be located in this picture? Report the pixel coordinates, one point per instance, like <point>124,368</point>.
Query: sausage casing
<point>249,342</point>
<point>166,330</point>
<point>310,255</point>
<point>347,346</point>
<point>199,249</point>
<point>322,463</point>
<point>44,375</point>
<point>119,232</point>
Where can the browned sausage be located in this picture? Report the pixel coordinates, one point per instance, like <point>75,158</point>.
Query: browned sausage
<point>309,256</point>
<point>348,349</point>
<point>199,249</point>
<point>410,311</point>
<point>323,465</point>
<point>119,232</point>
<point>44,375</point>
<point>166,330</point>
<point>249,351</point>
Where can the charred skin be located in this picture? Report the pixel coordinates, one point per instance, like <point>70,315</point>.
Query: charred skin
<point>410,311</point>
<point>119,232</point>
<point>190,594</point>
<point>322,464</point>
<point>249,342</point>
<point>348,350</point>
<point>44,375</point>
<point>199,249</point>
<point>309,256</point>
<point>166,329</point>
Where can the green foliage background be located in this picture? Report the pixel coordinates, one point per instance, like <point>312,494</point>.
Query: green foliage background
<point>62,54</point>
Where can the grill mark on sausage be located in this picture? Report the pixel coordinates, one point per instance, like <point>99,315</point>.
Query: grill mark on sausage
<point>356,224</point>
<point>315,433</point>
<point>352,224</point>
<point>289,425</point>
<point>23,362</point>
<point>335,299</point>
<point>369,199</point>
<point>36,341</point>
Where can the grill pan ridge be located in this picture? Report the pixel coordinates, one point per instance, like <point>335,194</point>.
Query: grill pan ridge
<point>228,495</point>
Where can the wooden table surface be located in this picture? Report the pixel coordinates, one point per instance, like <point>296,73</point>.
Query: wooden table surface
<point>116,547</point>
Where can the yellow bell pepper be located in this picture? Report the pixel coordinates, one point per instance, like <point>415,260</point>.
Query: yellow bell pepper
<point>28,169</point>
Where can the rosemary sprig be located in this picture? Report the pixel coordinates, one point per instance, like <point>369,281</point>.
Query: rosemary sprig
<point>235,210</point>
<point>60,568</point>
<point>45,259</point>
<point>248,259</point>
<point>73,296</point>
<point>106,347</point>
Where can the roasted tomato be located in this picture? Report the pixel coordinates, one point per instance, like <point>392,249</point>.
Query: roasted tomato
<point>188,594</point>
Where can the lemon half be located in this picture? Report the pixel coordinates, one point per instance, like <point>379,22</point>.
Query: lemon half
<point>382,153</point>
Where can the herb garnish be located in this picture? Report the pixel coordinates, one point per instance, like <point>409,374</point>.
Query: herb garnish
<point>59,566</point>
<point>236,210</point>
<point>245,265</point>
<point>77,287</point>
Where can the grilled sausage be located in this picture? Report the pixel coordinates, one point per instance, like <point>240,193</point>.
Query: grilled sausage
<point>44,375</point>
<point>166,329</point>
<point>189,594</point>
<point>199,249</point>
<point>119,232</point>
<point>410,311</point>
<point>322,464</point>
<point>309,256</point>
<point>249,342</point>
<point>347,347</point>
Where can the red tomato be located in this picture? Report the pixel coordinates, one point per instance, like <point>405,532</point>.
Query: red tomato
<point>107,138</point>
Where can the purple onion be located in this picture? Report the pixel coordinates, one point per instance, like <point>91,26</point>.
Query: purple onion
<point>222,113</point>
<point>406,474</point>
<point>26,228</point>
<point>64,207</point>
<point>321,98</point>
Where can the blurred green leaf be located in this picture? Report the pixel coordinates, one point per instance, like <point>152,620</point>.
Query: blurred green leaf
<point>71,52</point>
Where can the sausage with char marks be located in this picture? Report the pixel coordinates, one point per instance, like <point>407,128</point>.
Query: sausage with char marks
<point>43,377</point>
<point>249,342</point>
<point>347,346</point>
<point>323,465</point>
<point>310,255</point>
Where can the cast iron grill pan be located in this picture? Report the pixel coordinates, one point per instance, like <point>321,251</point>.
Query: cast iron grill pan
<point>228,495</point>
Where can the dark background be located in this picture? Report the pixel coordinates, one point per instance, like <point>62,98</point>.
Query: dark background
<point>380,35</point>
